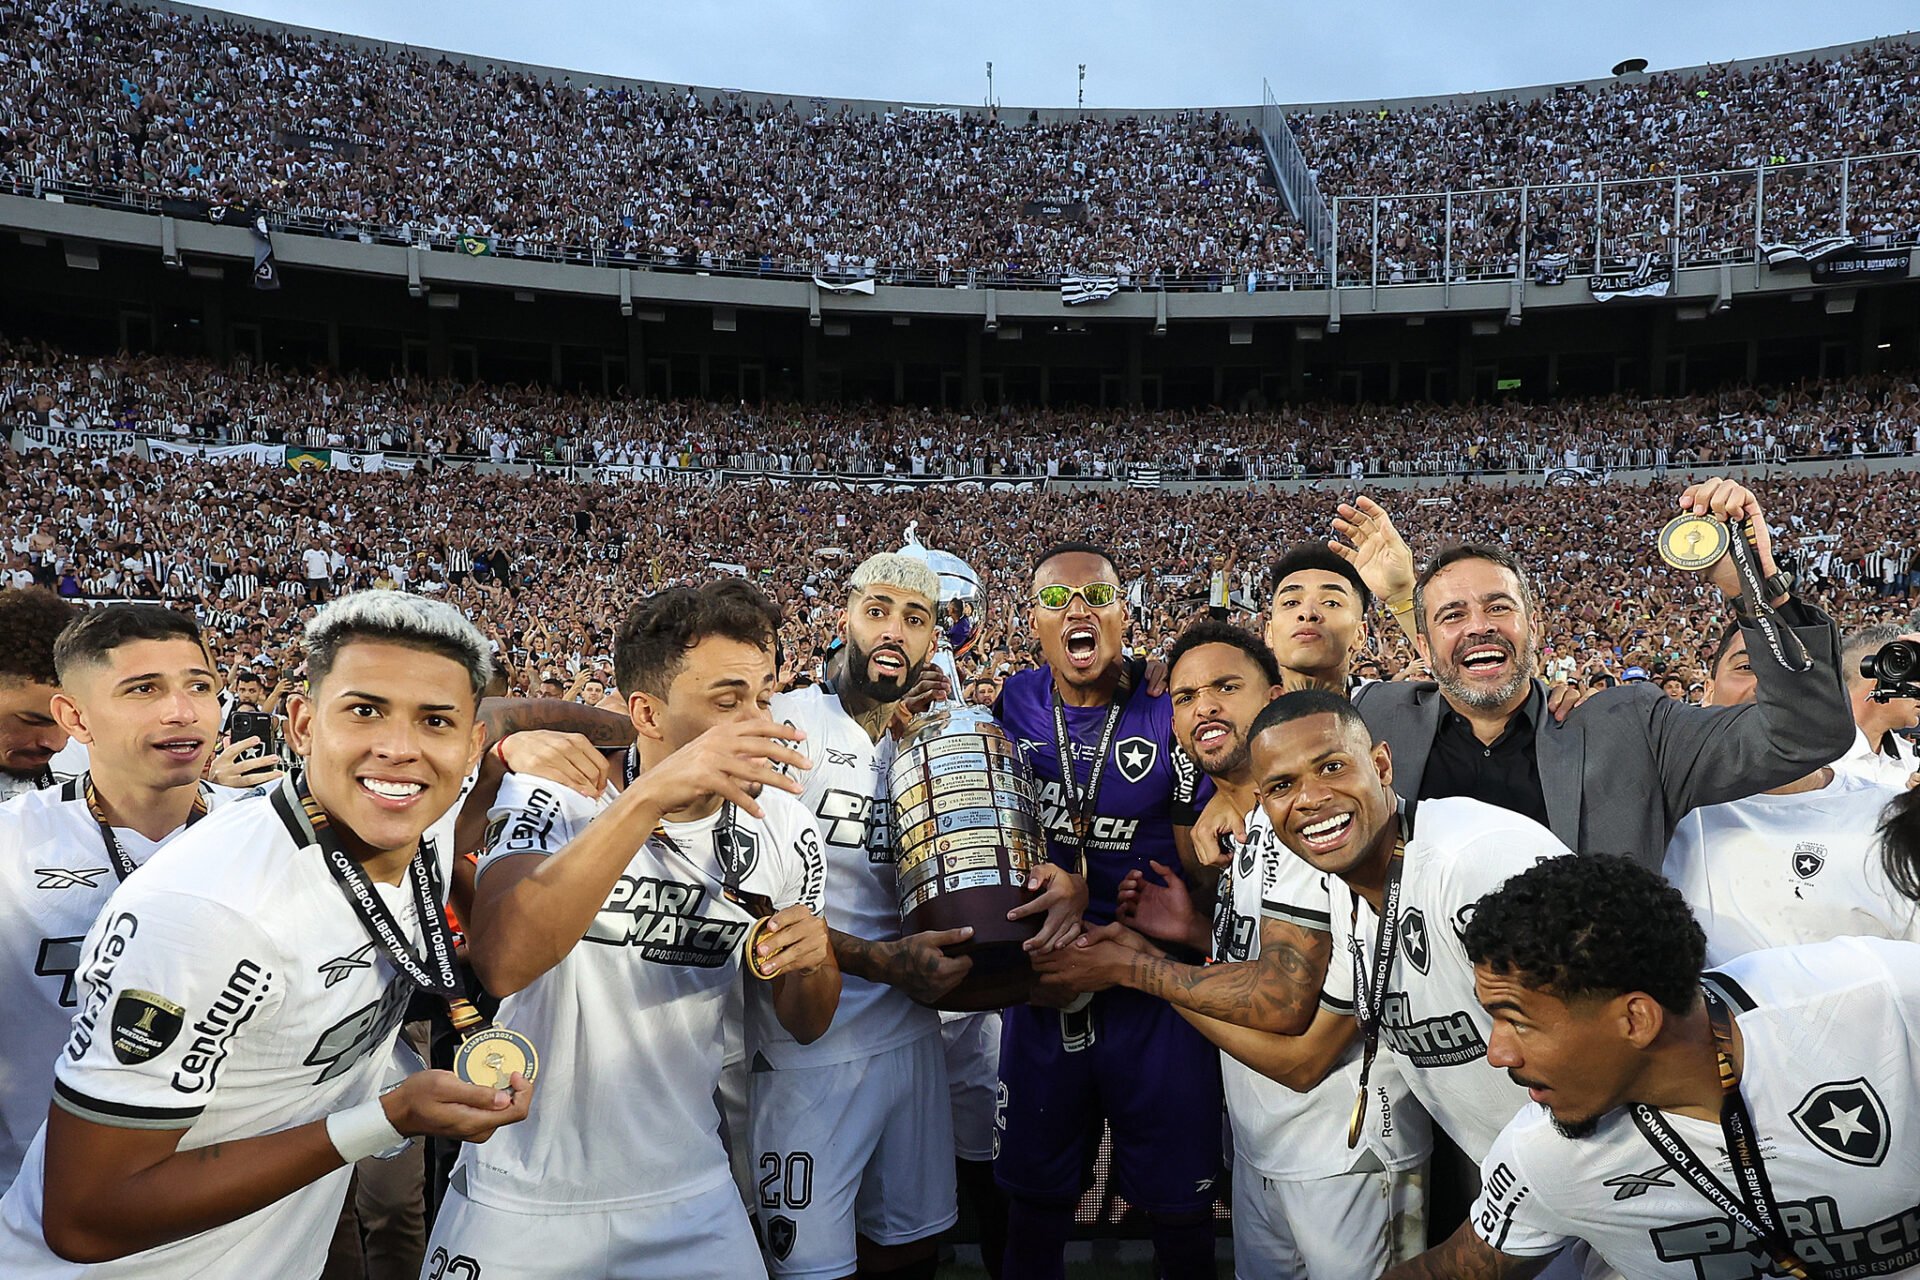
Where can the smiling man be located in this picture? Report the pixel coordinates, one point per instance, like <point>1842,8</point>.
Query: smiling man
<point>1754,1120</point>
<point>137,688</point>
<point>1404,878</point>
<point>238,996</point>
<point>1621,770</point>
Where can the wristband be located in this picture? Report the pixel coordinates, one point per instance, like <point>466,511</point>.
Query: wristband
<point>1402,609</point>
<point>362,1131</point>
<point>500,753</point>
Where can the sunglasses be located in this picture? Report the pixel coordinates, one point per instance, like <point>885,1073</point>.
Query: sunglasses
<point>1058,595</point>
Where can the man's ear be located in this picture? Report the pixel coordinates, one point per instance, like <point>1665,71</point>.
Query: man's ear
<point>299,730</point>
<point>645,711</point>
<point>1383,763</point>
<point>66,713</point>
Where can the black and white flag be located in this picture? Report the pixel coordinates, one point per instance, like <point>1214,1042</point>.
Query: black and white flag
<point>844,286</point>
<point>1551,268</point>
<point>1651,277</point>
<point>1077,289</point>
<point>266,272</point>
<point>1783,255</point>
<point>1143,478</point>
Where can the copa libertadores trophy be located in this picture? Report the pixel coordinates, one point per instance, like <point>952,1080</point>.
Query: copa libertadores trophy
<point>965,817</point>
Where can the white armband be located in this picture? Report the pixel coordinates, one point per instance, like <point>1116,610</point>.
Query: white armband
<point>362,1131</point>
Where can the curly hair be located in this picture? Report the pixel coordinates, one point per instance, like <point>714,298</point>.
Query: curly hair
<point>31,619</point>
<point>1591,925</point>
<point>658,632</point>
<point>1207,631</point>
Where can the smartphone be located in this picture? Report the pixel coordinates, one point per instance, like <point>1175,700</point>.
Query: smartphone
<point>254,724</point>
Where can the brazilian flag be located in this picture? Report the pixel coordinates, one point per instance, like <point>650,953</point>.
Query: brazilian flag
<point>476,246</point>
<point>309,459</point>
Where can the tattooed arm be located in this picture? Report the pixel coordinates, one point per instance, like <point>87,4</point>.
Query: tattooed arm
<point>606,730</point>
<point>1465,1256</point>
<point>1279,991</point>
<point>916,963</point>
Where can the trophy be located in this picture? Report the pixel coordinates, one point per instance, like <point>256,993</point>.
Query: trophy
<point>966,819</point>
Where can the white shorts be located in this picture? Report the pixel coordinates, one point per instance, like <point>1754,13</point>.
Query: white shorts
<point>972,1042</point>
<point>704,1237</point>
<point>853,1148</point>
<point>1347,1224</point>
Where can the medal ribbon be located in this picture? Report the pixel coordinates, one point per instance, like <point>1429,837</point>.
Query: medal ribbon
<point>1080,804</point>
<point>308,824</point>
<point>123,865</point>
<point>1370,982</point>
<point>1787,648</point>
<point>1754,1207</point>
<point>754,904</point>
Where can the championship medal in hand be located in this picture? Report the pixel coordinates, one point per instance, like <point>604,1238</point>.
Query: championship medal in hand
<point>1693,542</point>
<point>490,1056</point>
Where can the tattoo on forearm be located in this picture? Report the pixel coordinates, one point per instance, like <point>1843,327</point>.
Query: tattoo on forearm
<point>1280,988</point>
<point>606,730</point>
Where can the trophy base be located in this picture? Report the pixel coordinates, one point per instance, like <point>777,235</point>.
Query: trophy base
<point>1001,973</point>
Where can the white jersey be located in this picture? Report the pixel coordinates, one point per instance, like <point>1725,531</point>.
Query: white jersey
<point>68,762</point>
<point>1866,761</point>
<point>847,796</point>
<point>55,876</point>
<point>1831,1076</point>
<point>1280,1133</point>
<point>1461,851</point>
<point>1774,871</point>
<point>229,990</point>
<point>629,1025</point>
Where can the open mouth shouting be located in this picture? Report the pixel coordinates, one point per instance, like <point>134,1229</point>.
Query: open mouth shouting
<point>889,664</point>
<point>1083,642</point>
<point>395,795</point>
<point>1210,735</point>
<point>1327,834</point>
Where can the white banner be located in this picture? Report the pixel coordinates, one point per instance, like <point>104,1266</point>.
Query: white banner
<point>344,461</point>
<point>672,477</point>
<point>844,286</point>
<point>272,455</point>
<point>64,439</point>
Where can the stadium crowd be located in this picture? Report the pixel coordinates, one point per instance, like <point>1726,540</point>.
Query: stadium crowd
<point>368,142</point>
<point>544,563</point>
<point>165,105</point>
<point>194,400</point>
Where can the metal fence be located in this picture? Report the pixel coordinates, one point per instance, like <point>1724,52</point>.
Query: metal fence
<point>1295,175</point>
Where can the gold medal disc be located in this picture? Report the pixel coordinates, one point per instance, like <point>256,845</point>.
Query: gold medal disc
<point>753,961</point>
<point>1693,542</point>
<point>490,1058</point>
<point>1359,1117</point>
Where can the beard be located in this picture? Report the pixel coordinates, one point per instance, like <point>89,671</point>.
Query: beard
<point>858,677</point>
<point>1234,761</point>
<point>1574,1129</point>
<point>1457,689</point>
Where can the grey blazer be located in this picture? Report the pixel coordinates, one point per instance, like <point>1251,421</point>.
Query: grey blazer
<point>1626,765</point>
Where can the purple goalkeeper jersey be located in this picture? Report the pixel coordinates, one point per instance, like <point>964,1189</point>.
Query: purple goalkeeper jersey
<point>1146,787</point>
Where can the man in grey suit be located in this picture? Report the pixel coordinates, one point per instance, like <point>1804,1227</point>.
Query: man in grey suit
<point>1619,771</point>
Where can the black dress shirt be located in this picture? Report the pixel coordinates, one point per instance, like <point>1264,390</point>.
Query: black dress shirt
<point>1506,774</point>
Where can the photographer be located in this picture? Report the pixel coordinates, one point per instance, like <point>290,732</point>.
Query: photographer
<point>1880,753</point>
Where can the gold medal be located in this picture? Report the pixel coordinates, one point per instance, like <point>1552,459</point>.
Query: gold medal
<point>492,1057</point>
<point>1693,542</point>
<point>1359,1118</point>
<point>753,961</point>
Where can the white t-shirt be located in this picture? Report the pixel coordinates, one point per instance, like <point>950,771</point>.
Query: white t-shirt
<point>1831,1076</point>
<point>1774,871</point>
<point>629,1025</point>
<point>1281,1133</point>
<point>1864,761</point>
<point>318,563</point>
<point>55,876</point>
<point>1461,851</point>
<point>847,795</point>
<point>229,990</point>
